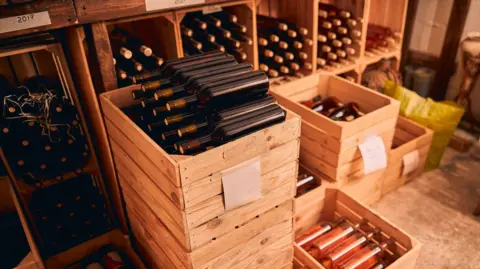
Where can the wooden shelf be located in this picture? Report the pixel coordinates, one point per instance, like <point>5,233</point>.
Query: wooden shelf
<point>368,60</point>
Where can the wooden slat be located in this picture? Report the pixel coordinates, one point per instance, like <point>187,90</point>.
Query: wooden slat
<point>271,178</point>
<point>249,254</point>
<point>157,208</point>
<point>242,233</point>
<point>225,223</point>
<point>176,254</point>
<point>124,148</point>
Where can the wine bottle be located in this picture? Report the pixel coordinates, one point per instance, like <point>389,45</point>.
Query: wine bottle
<point>306,240</point>
<point>197,81</point>
<point>305,184</point>
<point>225,17</point>
<point>219,32</point>
<point>229,116</point>
<point>232,131</point>
<point>131,65</point>
<point>321,62</point>
<point>334,11</point>
<point>242,38</point>
<point>229,42</point>
<point>151,62</point>
<point>335,22</point>
<point>211,70</point>
<point>203,36</point>
<point>194,23</point>
<point>235,27</point>
<point>262,42</point>
<point>333,239</point>
<point>327,105</point>
<point>238,54</point>
<point>348,112</point>
<point>347,249</point>
<point>187,31</point>
<point>263,67</point>
<point>122,75</point>
<point>268,22</point>
<point>212,46</point>
<point>170,70</point>
<point>213,94</point>
<point>191,45</point>
<point>266,53</point>
<point>368,256</point>
<point>136,45</point>
<point>273,38</point>
<point>211,20</point>
<point>327,33</point>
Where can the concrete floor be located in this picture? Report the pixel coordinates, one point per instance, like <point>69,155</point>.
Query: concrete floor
<point>436,208</point>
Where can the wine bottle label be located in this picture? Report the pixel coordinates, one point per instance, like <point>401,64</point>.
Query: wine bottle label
<point>25,21</point>
<point>151,5</point>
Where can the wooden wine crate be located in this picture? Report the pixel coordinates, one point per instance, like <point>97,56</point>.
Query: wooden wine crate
<point>303,14</point>
<point>100,10</point>
<point>409,137</point>
<point>331,204</point>
<point>330,148</point>
<point>177,201</point>
<point>36,16</point>
<point>244,10</point>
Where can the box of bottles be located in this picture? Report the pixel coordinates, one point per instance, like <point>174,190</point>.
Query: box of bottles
<point>26,17</point>
<point>229,27</point>
<point>336,231</point>
<point>176,204</point>
<point>330,138</point>
<point>406,159</point>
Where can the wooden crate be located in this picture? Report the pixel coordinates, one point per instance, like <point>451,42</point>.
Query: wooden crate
<point>409,137</point>
<point>330,204</point>
<point>36,16</point>
<point>246,13</point>
<point>302,13</point>
<point>100,10</point>
<point>177,201</point>
<point>157,30</point>
<point>329,148</point>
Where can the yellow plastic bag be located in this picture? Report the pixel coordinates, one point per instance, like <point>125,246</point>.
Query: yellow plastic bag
<point>442,117</point>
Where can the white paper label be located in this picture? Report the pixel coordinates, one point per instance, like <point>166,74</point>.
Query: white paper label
<point>167,4</point>
<point>241,184</point>
<point>410,162</point>
<point>373,154</point>
<point>211,9</point>
<point>24,21</point>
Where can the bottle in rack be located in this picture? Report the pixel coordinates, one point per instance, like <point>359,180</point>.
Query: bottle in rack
<point>306,183</point>
<point>348,112</point>
<point>136,45</point>
<point>307,239</point>
<point>327,105</point>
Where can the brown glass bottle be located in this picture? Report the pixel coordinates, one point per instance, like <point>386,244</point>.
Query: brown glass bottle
<point>242,38</point>
<point>367,257</point>
<point>306,183</point>
<point>327,105</point>
<point>229,132</point>
<point>255,83</point>
<point>306,240</point>
<point>333,239</point>
<point>348,112</point>
<point>328,33</point>
<point>194,23</point>
<point>134,44</point>
<point>131,65</point>
<point>312,102</point>
<point>346,250</point>
<point>333,11</point>
<point>187,31</point>
<point>203,36</point>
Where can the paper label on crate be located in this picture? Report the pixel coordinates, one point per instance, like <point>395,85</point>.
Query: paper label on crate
<point>241,184</point>
<point>211,9</point>
<point>410,162</point>
<point>168,4</point>
<point>373,154</point>
<point>24,21</point>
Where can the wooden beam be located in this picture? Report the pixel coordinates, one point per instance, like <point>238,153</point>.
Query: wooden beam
<point>408,32</point>
<point>446,64</point>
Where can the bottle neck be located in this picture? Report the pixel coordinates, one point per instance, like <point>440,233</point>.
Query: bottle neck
<point>192,129</point>
<point>195,144</point>
<point>182,103</point>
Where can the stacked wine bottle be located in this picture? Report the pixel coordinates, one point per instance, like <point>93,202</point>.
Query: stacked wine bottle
<point>305,183</point>
<point>131,56</point>
<point>334,109</point>
<point>281,47</point>
<point>338,35</point>
<point>202,101</point>
<point>41,134</point>
<point>381,39</point>
<point>343,244</point>
<point>216,31</point>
